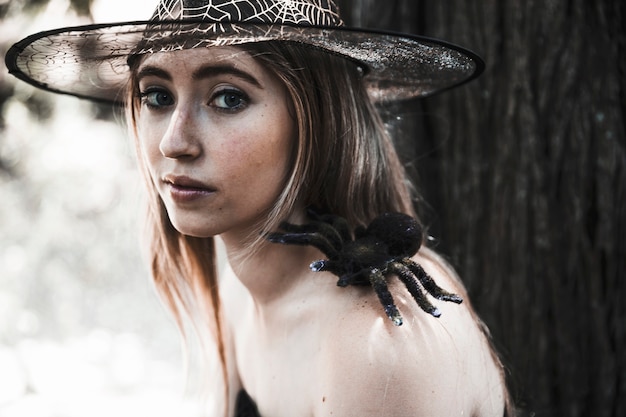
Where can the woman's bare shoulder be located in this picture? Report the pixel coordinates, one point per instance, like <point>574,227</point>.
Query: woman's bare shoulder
<point>426,367</point>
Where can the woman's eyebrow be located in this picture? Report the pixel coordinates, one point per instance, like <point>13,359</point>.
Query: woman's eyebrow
<point>152,71</point>
<point>208,71</point>
<point>205,71</point>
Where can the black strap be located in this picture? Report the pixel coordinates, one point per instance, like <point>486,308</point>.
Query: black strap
<point>245,406</point>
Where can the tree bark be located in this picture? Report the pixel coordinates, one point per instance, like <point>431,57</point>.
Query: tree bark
<point>525,169</point>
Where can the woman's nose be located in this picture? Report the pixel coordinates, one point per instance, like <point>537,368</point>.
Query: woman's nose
<point>181,139</point>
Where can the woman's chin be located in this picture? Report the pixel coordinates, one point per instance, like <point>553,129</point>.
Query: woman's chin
<point>193,230</point>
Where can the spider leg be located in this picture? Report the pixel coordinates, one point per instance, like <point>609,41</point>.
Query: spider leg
<point>377,279</point>
<point>318,226</point>
<point>337,224</point>
<point>360,232</point>
<point>429,284</point>
<point>408,278</point>
<point>353,278</point>
<point>326,265</point>
<point>334,227</point>
<point>314,239</point>
<point>298,228</point>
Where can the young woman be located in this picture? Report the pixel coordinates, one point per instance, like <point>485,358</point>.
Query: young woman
<point>241,126</point>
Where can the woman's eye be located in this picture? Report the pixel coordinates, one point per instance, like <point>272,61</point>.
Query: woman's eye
<point>157,98</point>
<point>229,100</point>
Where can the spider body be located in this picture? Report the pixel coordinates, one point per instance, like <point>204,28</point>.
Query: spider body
<point>369,256</point>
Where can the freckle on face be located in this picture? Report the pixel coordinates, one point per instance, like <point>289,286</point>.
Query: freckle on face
<point>243,155</point>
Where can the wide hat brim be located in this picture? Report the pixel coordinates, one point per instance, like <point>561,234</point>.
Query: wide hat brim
<point>91,61</point>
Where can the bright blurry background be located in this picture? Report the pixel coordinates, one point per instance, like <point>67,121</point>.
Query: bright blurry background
<point>82,332</point>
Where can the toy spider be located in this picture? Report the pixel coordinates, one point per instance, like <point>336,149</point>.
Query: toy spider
<point>385,247</point>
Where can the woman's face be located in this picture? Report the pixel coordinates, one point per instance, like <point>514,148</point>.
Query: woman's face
<point>216,133</point>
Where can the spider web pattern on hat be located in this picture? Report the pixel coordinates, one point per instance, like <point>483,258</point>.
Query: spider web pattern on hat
<point>295,12</point>
<point>232,22</point>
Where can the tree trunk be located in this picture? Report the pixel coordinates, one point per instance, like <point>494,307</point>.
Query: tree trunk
<point>525,169</point>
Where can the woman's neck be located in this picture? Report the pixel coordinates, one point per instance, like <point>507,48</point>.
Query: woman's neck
<point>272,272</point>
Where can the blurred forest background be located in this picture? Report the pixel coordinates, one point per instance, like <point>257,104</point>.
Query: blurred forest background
<point>81,330</point>
<point>524,171</point>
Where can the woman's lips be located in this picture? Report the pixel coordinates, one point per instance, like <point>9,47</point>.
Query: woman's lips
<point>184,189</point>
